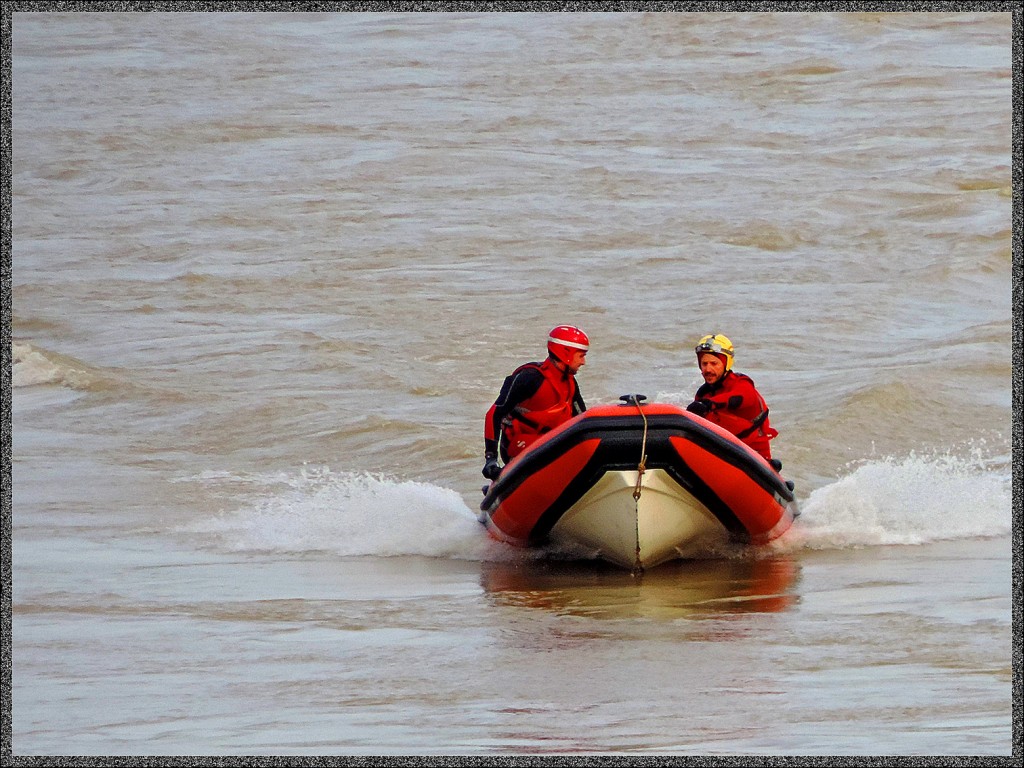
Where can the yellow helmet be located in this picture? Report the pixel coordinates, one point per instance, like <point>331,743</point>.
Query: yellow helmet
<point>716,344</point>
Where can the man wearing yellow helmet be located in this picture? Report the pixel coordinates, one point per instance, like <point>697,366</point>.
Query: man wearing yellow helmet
<point>729,398</point>
<point>535,398</point>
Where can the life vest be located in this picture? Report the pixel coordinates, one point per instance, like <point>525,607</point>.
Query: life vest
<point>548,407</point>
<point>749,422</point>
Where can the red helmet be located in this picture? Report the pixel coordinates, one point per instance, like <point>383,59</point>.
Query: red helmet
<point>563,339</point>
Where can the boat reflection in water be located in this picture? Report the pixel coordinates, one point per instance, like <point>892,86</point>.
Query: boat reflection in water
<point>684,588</point>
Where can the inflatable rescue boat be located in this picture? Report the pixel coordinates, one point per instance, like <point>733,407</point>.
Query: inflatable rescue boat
<point>638,484</point>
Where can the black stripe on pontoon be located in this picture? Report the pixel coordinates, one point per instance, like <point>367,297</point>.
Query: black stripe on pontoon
<point>660,455</point>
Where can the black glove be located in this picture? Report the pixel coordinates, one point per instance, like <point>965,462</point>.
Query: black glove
<point>700,407</point>
<point>491,469</point>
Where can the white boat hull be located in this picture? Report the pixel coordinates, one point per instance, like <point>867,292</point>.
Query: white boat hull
<point>664,523</point>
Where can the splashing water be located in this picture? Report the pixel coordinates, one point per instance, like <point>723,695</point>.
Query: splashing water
<point>352,514</point>
<point>892,501</point>
<point>911,500</point>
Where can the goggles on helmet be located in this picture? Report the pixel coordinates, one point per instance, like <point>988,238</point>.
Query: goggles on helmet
<point>713,346</point>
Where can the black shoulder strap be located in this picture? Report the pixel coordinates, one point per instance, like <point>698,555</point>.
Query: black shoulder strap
<point>755,424</point>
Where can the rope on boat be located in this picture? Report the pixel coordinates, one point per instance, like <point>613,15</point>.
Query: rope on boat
<point>642,466</point>
<point>638,567</point>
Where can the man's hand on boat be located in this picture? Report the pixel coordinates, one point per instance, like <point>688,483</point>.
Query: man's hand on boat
<point>700,407</point>
<point>491,469</point>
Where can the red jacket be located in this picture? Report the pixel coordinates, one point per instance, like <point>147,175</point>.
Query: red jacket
<point>534,399</point>
<point>737,406</point>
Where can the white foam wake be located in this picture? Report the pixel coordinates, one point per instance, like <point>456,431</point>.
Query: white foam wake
<point>351,514</point>
<point>914,499</point>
